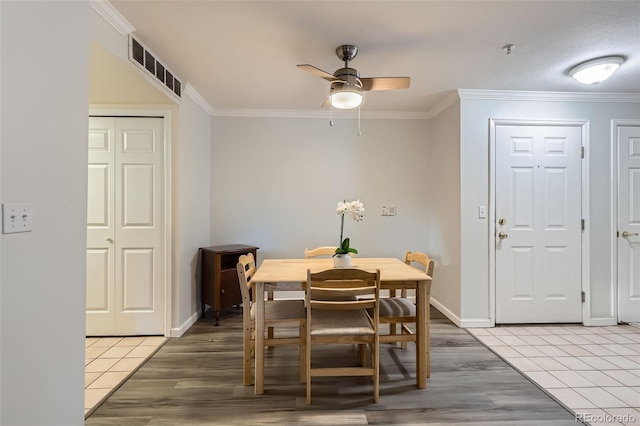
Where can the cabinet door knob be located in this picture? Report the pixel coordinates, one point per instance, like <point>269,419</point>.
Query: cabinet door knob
<point>108,239</point>
<point>222,290</point>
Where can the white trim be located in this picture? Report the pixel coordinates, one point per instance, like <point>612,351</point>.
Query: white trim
<point>179,331</point>
<point>585,254</point>
<point>475,323</point>
<point>446,311</point>
<point>615,124</point>
<point>323,114</point>
<point>449,100</point>
<point>112,16</point>
<point>165,114</point>
<point>512,95</point>
<point>196,97</point>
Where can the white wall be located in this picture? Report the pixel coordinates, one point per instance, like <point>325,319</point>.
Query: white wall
<point>276,183</point>
<point>443,189</point>
<point>474,161</point>
<point>44,162</point>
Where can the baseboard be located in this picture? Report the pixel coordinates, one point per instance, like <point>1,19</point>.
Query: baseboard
<point>460,322</point>
<point>179,331</point>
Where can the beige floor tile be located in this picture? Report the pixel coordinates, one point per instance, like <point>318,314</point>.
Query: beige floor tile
<point>141,351</point>
<point>533,340</point>
<point>117,352</point>
<point>100,365</point>
<point>479,331</point>
<point>90,341</point>
<point>623,376</point>
<point>95,351</point>
<point>599,339</point>
<point>131,341</point>
<point>601,398</point>
<point>538,331</point>
<point>108,380</point>
<point>551,350</point>
<point>127,364</point>
<point>573,379</point>
<point>545,379</point>
<point>506,351</point>
<point>512,340</point>
<point>573,363</point>
<point>621,339</point>
<point>107,341</point>
<point>596,416</point>
<point>622,362</point>
<point>625,394</point>
<point>628,416</point>
<point>524,364</point>
<point>572,399</point>
<point>574,350</point>
<point>555,340</point>
<point>528,351</point>
<point>598,363</point>
<point>598,350</point>
<point>154,340</point>
<point>598,378</point>
<point>491,341</point>
<point>94,396</point>
<point>549,364</point>
<point>576,339</point>
<point>90,378</point>
<point>500,331</point>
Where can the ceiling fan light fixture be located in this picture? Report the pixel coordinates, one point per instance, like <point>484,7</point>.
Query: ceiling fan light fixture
<point>596,70</point>
<point>345,95</point>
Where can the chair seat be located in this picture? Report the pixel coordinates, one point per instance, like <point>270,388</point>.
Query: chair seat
<point>281,309</point>
<point>397,307</point>
<point>332,323</point>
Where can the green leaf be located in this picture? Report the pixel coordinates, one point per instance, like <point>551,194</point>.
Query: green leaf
<point>352,250</point>
<point>345,244</point>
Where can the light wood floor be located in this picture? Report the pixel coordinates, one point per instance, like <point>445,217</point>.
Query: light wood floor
<point>197,380</point>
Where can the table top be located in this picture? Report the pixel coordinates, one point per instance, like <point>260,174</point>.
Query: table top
<point>295,270</point>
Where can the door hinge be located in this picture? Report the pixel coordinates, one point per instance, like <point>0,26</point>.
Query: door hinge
<point>617,234</point>
<point>584,297</point>
<point>582,224</point>
<point>582,152</point>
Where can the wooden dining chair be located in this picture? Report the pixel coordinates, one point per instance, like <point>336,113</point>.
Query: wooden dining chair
<point>402,311</point>
<point>320,251</point>
<point>277,313</point>
<point>335,315</point>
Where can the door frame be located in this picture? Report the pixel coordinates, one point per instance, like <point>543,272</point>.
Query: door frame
<point>165,114</point>
<point>615,124</point>
<point>584,125</point>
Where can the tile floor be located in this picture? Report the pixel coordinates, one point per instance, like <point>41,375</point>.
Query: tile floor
<point>109,361</point>
<point>593,371</point>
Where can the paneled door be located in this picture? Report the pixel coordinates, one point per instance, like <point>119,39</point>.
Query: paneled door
<point>125,226</point>
<point>628,140</point>
<point>538,193</point>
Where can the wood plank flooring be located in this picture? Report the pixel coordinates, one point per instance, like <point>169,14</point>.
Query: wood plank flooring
<point>197,380</point>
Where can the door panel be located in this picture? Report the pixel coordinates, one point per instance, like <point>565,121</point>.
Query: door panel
<point>628,140</point>
<point>538,247</point>
<point>125,279</point>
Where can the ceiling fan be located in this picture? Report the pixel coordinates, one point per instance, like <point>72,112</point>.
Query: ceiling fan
<point>347,86</point>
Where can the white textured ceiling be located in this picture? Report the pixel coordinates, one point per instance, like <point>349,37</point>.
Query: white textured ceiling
<point>243,54</point>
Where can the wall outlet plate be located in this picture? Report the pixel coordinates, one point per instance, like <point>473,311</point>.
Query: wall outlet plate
<point>16,217</point>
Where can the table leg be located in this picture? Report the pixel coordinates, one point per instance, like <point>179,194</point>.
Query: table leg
<point>259,339</point>
<point>422,331</point>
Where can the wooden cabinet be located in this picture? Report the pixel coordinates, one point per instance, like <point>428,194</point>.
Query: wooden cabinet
<point>219,280</point>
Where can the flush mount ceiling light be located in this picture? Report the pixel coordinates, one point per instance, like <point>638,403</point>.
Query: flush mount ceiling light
<point>346,94</point>
<point>596,70</point>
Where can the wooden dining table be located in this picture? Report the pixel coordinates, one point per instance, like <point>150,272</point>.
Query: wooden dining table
<point>394,274</point>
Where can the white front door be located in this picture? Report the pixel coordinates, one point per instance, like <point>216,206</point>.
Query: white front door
<point>125,226</point>
<point>538,195</point>
<point>628,140</point>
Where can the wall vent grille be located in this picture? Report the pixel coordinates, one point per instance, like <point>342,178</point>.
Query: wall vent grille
<point>147,61</point>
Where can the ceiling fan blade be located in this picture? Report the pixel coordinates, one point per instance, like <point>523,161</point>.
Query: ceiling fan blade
<point>385,83</point>
<point>317,71</point>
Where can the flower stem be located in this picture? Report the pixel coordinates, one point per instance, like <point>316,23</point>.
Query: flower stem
<point>341,228</point>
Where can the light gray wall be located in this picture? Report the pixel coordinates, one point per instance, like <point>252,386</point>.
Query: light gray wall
<point>474,161</point>
<point>276,183</point>
<point>443,191</point>
<point>192,208</point>
<point>44,98</point>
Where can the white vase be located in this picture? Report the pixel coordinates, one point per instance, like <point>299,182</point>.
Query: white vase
<point>342,261</point>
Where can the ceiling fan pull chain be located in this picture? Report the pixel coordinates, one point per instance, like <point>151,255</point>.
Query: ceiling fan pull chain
<point>331,116</point>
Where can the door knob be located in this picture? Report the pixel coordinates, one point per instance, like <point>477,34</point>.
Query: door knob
<point>108,239</point>
<point>503,235</point>
<point>626,234</point>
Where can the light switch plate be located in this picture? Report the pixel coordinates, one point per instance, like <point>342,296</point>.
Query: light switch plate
<point>16,217</point>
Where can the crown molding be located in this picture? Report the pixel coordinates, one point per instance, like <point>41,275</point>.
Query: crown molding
<point>324,114</point>
<point>449,100</point>
<point>195,96</point>
<point>514,95</point>
<point>112,16</point>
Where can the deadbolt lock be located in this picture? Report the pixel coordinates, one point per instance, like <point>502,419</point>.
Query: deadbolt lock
<point>501,221</point>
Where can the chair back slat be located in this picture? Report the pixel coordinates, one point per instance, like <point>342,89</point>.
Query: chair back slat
<point>421,259</point>
<point>246,267</point>
<point>320,251</point>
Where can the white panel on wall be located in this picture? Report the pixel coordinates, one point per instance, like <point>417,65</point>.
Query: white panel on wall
<point>98,190</point>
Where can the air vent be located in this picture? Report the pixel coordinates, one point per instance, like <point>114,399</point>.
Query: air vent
<point>148,62</point>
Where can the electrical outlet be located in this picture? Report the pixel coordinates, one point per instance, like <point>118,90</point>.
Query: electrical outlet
<point>16,217</point>
<point>482,212</point>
